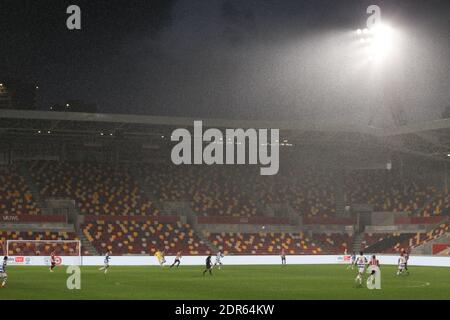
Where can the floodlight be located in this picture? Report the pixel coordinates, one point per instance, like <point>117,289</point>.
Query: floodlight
<point>382,40</point>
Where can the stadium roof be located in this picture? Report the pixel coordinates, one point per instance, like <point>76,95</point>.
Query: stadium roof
<point>123,120</point>
<point>430,139</point>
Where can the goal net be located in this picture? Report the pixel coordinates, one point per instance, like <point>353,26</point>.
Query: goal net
<point>37,252</point>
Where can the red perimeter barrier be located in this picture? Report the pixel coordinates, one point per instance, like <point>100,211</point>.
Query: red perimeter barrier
<point>330,220</point>
<point>241,220</point>
<point>418,220</point>
<point>440,247</point>
<point>162,218</point>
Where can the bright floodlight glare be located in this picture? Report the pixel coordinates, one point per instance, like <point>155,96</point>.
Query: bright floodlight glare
<point>359,31</point>
<point>383,38</point>
<point>381,43</point>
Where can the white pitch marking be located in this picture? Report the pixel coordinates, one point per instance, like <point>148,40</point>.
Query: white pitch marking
<point>424,284</point>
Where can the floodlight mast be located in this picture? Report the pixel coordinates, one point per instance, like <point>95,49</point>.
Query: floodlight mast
<point>378,43</point>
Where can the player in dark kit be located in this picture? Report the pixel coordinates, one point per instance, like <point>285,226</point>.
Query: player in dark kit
<point>208,265</point>
<point>52,261</point>
<point>177,260</point>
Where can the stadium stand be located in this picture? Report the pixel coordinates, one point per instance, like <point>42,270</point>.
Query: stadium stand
<point>97,188</point>
<point>15,196</point>
<point>310,191</point>
<point>236,191</point>
<point>210,191</point>
<point>437,232</point>
<point>438,206</point>
<point>387,191</point>
<point>396,242</point>
<point>232,195</point>
<point>372,238</point>
<point>272,243</point>
<point>143,237</point>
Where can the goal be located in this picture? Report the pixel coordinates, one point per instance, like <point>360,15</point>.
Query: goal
<point>37,252</point>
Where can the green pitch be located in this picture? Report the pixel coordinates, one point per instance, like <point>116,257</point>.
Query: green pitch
<point>232,282</point>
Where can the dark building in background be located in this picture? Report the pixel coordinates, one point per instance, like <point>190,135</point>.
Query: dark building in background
<point>5,98</point>
<point>75,106</point>
<point>17,94</point>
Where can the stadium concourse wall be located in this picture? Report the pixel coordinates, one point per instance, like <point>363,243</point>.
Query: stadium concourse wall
<point>435,261</point>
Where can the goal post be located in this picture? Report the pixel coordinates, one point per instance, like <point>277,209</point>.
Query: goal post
<point>37,252</point>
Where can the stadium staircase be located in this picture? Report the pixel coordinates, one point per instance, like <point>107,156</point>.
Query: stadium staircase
<point>340,193</point>
<point>86,245</point>
<point>145,189</point>
<point>184,211</point>
<point>182,208</point>
<point>25,173</point>
<point>357,240</point>
<point>210,245</point>
<point>191,217</point>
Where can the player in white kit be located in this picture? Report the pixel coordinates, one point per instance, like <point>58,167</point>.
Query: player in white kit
<point>402,265</point>
<point>218,257</point>
<point>3,275</point>
<point>361,262</point>
<point>106,262</point>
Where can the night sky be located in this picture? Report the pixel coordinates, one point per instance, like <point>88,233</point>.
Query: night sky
<point>285,59</point>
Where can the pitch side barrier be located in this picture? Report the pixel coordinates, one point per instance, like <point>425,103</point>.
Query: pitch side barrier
<point>434,261</point>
